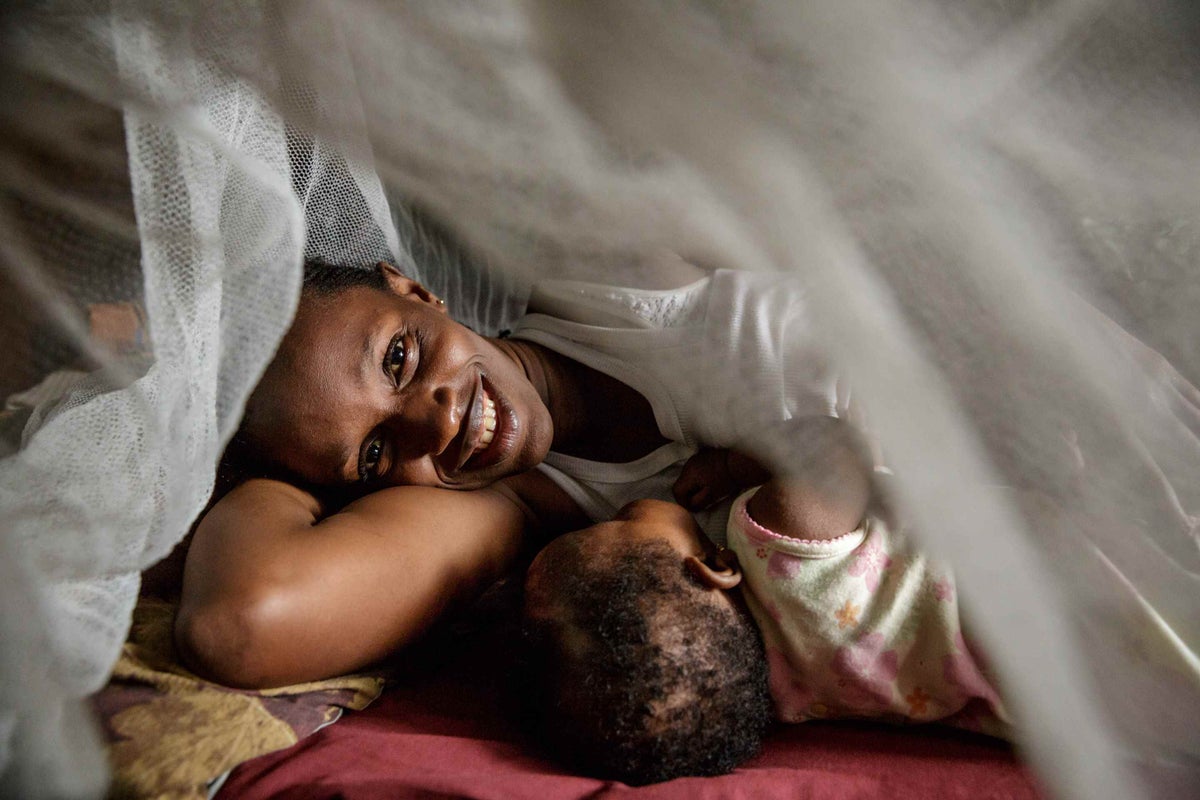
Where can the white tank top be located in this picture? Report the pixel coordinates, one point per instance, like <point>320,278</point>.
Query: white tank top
<point>696,354</point>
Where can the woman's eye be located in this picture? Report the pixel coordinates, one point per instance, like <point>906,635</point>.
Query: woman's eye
<point>370,459</point>
<point>394,362</point>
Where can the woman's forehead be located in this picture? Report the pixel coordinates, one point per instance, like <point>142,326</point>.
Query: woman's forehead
<point>298,425</point>
<point>319,344</point>
<point>340,330</point>
<point>310,390</point>
<point>319,311</point>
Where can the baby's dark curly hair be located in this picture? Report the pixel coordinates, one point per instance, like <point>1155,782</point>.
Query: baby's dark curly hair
<point>640,677</point>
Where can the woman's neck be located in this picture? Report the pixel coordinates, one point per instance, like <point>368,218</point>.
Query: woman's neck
<point>586,405</point>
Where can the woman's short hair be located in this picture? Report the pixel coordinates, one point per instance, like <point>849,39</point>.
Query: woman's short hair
<point>326,279</point>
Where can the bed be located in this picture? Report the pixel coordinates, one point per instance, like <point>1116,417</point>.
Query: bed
<point>440,722</point>
<point>442,730</point>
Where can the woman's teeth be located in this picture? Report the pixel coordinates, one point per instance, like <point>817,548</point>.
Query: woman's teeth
<point>489,421</point>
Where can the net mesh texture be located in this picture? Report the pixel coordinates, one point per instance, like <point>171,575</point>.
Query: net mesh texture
<point>992,205</point>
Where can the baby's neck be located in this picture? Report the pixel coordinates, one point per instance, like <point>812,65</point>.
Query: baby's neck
<point>595,416</point>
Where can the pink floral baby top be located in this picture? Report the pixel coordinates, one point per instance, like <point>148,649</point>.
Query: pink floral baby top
<point>862,625</point>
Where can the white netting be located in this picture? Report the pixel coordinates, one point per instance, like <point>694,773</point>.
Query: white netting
<point>959,184</point>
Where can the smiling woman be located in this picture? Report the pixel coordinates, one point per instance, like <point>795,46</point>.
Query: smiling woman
<point>375,383</point>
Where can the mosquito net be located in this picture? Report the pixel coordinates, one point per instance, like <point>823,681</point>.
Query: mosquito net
<point>992,205</point>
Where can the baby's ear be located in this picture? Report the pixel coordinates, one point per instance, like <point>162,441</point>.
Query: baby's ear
<point>405,286</point>
<point>722,573</point>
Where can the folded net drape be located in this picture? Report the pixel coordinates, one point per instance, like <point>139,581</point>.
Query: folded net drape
<point>993,207</point>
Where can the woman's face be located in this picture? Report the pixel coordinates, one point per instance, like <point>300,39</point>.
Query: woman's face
<point>383,388</point>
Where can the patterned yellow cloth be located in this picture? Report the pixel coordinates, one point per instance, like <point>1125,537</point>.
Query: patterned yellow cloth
<point>171,733</point>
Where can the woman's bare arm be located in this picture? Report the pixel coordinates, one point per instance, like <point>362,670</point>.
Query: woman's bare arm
<point>274,592</point>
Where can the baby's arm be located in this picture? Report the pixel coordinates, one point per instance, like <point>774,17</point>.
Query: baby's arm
<point>715,474</point>
<point>277,592</point>
<point>824,496</point>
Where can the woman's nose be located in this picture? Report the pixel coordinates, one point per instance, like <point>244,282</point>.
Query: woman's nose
<point>428,420</point>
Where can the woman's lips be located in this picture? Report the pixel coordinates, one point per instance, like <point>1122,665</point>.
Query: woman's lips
<point>474,425</point>
<point>490,432</point>
<point>496,427</point>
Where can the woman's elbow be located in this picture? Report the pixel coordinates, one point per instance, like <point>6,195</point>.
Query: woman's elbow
<point>229,641</point>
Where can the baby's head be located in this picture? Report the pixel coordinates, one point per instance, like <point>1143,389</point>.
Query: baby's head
<point>643,664</point>
<point>374,383</point>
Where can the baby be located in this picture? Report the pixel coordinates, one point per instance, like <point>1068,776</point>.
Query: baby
<point>656,654</point>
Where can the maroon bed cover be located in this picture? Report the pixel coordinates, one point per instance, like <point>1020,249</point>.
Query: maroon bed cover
<point>443,730</point>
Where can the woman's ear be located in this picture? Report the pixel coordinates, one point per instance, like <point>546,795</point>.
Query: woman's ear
<point>723,573</point>
<point>405,286</point>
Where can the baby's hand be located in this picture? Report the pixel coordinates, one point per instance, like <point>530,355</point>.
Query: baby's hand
<point>712,475</point>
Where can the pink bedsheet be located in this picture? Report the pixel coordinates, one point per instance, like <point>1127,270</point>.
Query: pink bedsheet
<point>443,732</point>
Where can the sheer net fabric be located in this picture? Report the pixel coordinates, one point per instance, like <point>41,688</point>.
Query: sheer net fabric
<point>992,205</point>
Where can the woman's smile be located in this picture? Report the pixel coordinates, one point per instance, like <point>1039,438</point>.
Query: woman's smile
<point>496,432</point>
<point>479,430</point>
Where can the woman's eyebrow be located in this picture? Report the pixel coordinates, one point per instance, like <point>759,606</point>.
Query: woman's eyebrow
<point>343,458</point>
<point>367,366</point>
<point>349,459</point>
<point>346,455</point>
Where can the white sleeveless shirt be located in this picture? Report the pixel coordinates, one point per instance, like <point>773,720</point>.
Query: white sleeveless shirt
<point>722,362</point>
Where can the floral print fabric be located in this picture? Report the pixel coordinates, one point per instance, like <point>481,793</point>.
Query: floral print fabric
<point>860,626</point>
